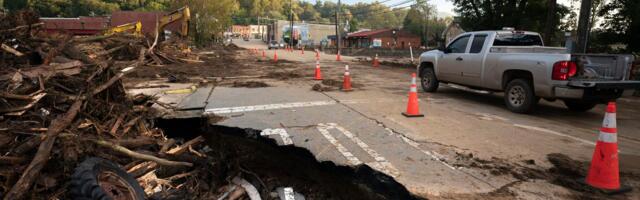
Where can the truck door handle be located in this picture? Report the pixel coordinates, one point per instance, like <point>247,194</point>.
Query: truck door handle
<point>459,59</point>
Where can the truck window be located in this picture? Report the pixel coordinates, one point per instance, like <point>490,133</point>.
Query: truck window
<point>478,42</point>
<point>515,39</point>
<point>459,45</point>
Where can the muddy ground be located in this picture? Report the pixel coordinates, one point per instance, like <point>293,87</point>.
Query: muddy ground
<point>245,152</point>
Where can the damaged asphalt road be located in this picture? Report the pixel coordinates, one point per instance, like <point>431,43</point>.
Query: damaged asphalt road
<point>467,146</point>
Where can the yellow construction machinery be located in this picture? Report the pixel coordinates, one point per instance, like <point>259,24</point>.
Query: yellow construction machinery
<point>183,14</point>
<point>134,27</point>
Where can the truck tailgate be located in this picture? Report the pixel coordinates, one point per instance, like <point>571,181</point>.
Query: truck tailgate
<point>602,67</point>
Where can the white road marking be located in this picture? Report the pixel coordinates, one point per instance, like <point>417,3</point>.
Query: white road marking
<point>544,130</point>
<point>267,107</point>
<point>381,163</point>
<point>490,117</point>
<point>226,110</point>
<point>286,138</point>
<point>324,130</point>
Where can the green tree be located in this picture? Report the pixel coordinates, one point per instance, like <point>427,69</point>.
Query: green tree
<point>13,5</point>
<point>209,18</point>
<point>418,18</point>
<point>622,24</point>
<point>520,14</point>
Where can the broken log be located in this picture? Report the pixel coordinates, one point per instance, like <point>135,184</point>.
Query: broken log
<point>16,111</point>
<point>44,151</point>
<point>140,156</point>
<point>185,147</point>
<point>10,160</point>
<point>7,48</point>
<point>113,80</point>
<point>135,142</point>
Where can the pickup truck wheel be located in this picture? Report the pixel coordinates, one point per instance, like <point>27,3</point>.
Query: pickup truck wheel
<point>428,80</point>
<point>519,96</point>
<point>97,178</point>
<point>579,105</point>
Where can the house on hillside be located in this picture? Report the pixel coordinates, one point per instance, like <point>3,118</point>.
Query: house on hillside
<point>382,38</point>
<point>452,30</point>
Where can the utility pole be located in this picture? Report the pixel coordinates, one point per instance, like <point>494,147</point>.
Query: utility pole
<point>337,24</point>
<point>583,26</point>
<point>550,25</point>
<point>291,27</point>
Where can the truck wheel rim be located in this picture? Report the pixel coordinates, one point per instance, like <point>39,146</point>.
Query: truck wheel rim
<point>115,186</point>
<point>426,81</point>
<point>516,96</point>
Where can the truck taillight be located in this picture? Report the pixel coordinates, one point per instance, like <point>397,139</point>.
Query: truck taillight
<point>562,70</point>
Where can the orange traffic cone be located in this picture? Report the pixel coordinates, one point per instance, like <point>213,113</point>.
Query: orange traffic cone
<point>346,83</point>
<point>338,56</point>
<point>263,54</point>
<point>318,73</point>
<point>604,172</point>
<point>413,110</point>
<point>275,56</point>
<point>376,63</point>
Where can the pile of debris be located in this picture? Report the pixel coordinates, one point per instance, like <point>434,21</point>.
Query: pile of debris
<point>62,102</point>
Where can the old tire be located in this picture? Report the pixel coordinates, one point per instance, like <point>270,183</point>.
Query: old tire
<point>97,178</point>
<point>428,80</point>
<point>519,96</point>
<point>579,105</point>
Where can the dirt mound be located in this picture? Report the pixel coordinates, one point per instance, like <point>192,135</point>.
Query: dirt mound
<point>232,46</point>
<point>250,84</point>
<point>284,75</point>
<point>319,88</point>
<point>337,83</point>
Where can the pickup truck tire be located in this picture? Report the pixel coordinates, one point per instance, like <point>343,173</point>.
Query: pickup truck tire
<point>97,178</point>
<point>428,80</point>
<point>519,96</point>
<point>579,105</point>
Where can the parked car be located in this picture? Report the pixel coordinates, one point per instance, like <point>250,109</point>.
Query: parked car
<point>517,63</point>
<point>275,45</point>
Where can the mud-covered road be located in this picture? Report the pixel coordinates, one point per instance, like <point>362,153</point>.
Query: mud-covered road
<point>468,145</point>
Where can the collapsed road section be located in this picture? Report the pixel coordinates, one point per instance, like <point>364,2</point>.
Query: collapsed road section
<point>260,160</point>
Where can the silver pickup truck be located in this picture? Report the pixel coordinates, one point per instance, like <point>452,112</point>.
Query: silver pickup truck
<point>518,63</point>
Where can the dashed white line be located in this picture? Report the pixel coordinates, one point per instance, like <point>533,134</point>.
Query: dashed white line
<point>286,138</point>
<point>381,162</point>
<point>324,130</point>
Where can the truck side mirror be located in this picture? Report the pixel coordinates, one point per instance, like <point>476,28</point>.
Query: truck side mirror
<point>445,50</point>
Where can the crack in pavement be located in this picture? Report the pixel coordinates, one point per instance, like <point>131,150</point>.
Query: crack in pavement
<point>434,155</point>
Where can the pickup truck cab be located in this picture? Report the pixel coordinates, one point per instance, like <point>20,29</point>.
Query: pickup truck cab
<point>518,63</point>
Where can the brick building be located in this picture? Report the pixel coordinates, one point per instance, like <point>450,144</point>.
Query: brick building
<point>382,38</point>
<point>240,31</point>
<point>76,26</point>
